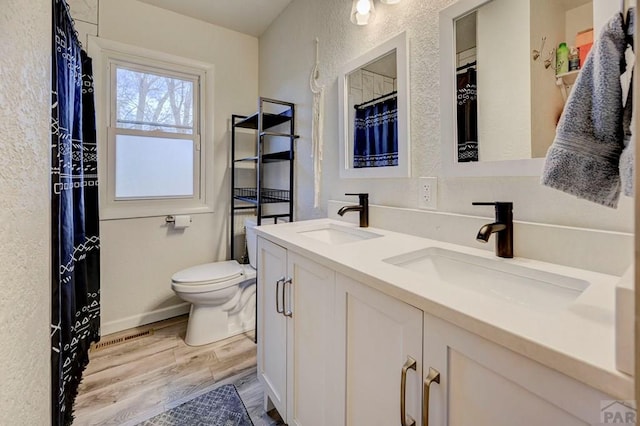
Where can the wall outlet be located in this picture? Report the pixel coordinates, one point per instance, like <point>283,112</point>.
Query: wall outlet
<point>428,193</point>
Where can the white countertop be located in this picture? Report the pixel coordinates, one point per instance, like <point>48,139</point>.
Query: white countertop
<point>578,341</point>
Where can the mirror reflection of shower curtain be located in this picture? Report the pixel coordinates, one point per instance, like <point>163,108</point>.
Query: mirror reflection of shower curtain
<point>376,135</point>
<point>467,119</point>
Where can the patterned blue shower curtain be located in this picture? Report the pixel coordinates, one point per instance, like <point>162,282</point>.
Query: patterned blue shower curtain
<point>75,296</point>
<point>467,116</point>
<point>376,135</point>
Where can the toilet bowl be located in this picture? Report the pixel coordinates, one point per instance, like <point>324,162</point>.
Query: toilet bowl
<point>222,295</point>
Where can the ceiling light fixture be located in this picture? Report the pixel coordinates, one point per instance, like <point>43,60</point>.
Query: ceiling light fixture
<point>362,12</point>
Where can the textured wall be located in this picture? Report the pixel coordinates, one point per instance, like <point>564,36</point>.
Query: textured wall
<point>85,17</point>
<point>286,58</point>
<point>24,212</point>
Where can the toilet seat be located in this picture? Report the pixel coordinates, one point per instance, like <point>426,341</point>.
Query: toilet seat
<point>208,277</point>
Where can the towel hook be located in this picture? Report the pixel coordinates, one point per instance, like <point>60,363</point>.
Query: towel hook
<point>549,60</point>
<point>537,53</point>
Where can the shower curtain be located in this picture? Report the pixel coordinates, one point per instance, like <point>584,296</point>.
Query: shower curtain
<point>376,135</point>
<point>467,116</point>
<point>75,296</point>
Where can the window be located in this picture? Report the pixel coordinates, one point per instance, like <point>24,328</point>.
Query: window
<point>156,136</point>
<point>154,133</point>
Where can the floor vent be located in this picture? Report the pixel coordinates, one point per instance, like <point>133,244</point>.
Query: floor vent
<point>122,339</point>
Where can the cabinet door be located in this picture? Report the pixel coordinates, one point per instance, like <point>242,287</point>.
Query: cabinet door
<point>310,300</point>
<point>376,335</point>
<point>485,384</point>
<point>272,325</point>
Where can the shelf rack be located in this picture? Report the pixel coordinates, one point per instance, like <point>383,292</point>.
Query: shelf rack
<point>267,125</point>
<point>565,82</point>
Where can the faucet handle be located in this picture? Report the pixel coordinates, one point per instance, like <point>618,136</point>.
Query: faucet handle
<point>498,204</point>
<point>364,196</point>
<point>504,209</point>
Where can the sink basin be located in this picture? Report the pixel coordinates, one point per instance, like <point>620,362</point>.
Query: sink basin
<point>494,277</point>
<point>336,234</point>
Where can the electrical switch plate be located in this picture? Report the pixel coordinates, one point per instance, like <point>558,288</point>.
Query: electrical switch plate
<point>428,193</point>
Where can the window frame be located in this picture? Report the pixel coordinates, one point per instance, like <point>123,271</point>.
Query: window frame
<point>113,130</point>
<point>107,55</point>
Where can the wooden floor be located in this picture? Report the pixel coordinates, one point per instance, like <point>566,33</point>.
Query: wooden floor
<point>126,383</point>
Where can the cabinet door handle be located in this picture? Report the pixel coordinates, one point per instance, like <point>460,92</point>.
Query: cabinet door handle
<point>433,376</point>
<point>288,312</point>
<point>405,420</point>
<point>278,310</point>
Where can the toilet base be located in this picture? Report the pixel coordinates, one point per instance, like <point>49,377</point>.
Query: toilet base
<point>209,324</point>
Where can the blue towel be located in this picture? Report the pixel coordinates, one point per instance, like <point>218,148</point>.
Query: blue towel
<point>585,155</point>
<point>628,157</point>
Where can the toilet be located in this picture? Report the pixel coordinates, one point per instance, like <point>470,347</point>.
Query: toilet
<point>222,295</point>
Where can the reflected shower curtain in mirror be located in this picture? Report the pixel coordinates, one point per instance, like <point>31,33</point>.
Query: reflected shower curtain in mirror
<point>75,296</point>
<point>467,101</point>
<point>376,135</point>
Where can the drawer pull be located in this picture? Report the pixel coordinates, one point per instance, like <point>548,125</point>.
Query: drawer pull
<point>404,419</point>
<point>433,376</point>
<point>288,312</point>
<point>278,309</point>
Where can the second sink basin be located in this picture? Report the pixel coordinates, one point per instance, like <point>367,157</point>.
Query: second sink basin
<point>497,278</point>
<point>336,234</point>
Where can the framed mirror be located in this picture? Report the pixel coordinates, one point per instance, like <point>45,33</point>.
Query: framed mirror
<point>374,113</point>
<point>500,101</point>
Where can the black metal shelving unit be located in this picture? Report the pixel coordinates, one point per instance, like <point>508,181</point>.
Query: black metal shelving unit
<point>267,125</point>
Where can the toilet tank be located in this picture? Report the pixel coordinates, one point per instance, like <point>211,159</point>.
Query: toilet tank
<point>252,240</point>
<point>252,236</point>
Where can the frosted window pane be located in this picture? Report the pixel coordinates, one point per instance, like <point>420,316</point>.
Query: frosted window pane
<point>147,101</point>
<point>153,167</point>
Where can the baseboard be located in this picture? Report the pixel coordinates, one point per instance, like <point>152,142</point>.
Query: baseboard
<point>110,327</point>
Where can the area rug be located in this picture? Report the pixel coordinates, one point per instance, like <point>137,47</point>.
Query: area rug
<point>219,407</point>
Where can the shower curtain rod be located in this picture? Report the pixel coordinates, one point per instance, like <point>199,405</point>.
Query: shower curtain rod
<point>380,98</point>
<point>67,9</point>
<point>464,67</point>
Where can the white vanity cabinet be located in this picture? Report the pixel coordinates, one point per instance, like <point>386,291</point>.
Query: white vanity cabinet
<point>379,357</point>
<point>334,351</point>
<point>477,382</point>
<point>484,384</point>
<point>272,324</point>
<point>295,315</point>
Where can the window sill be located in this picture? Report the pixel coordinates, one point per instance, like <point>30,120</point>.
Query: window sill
<point>130,212</point>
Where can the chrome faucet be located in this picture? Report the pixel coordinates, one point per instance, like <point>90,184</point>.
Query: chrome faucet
<point>363,208</point>
<point>503,227</point>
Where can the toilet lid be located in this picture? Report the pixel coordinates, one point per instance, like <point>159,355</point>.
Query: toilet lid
<point>209,273</point>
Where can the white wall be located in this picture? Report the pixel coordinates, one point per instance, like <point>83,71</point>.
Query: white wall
<point>547,20</point>
<point>578,19</point>
<point>25,87</point>
<point>85,17</point>
<point>140,255</point>
<point>603,11</point>
<point>506,87</point>
<point>286,76</point>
